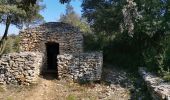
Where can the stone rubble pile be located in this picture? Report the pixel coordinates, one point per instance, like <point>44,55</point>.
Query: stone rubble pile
<point>20,68</point>
<point>117,85</point>
<point>159,89</point>
<point>82,66</point>
<point>117,78</point>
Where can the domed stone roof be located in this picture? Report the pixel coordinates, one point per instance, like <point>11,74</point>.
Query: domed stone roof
<point>69,38</point>
<point>59,27</point>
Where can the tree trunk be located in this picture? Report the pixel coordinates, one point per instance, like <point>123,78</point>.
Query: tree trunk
<point>4,37</point>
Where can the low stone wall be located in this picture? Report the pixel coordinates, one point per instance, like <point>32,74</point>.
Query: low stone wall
<point>159,89</point>
<point>20,68</point>
<point>82,66</point>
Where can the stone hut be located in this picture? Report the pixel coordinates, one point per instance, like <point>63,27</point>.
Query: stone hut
<point>51,47</point>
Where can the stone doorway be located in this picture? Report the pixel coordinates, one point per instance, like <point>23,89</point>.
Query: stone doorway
<point>52,49</point>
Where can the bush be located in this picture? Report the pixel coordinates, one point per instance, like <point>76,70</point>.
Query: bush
<point>90,42</point>
<point>131,52</point>
<point>2,89</point>
<point>71,97</point>
<point>12,44</point>
<point>166,76</point>
<point>119,50</point>
<point>122,53</point>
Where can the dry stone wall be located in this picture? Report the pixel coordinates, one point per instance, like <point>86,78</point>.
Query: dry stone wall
<point>159,89</point>
<point>20,68</point>
<point>80,66</point>
<point>70,39</point>
<point>72,62</point>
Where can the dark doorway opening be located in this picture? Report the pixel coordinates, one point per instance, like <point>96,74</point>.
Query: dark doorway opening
<point>52,52</point>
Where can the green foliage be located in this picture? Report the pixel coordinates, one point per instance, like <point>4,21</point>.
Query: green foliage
<point>12,44</point>
<point>122,52</point>
<point>90,42</point>
<point>94,42</point>
<point>74,19</point>
<point>105,18</point>
<point>1,89</point>
<point>103,15</point>
<point>154,25</point>
<point>140,28</point>
<point>9,98</point>
<point>139,88</point>
<point>64,1</point>
<point>71,97</point>
<point>119,49</point>
<point>166,76</point>
<point>18,13</point>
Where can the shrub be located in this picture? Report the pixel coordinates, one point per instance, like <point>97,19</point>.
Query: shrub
<point>2,89</point>
<point>166,76</point>
<point>71,97</point>
<point>12,44</point>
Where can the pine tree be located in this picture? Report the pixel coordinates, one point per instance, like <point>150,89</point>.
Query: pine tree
<point>17,12</point>
<point>74,19</point>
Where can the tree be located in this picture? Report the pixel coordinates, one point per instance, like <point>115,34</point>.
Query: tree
<point>17,12</point>
<point>154,24</point>
<point>64,1</point>
<point>145,24</point>
<point>74,19</point>
<point>103,15</point>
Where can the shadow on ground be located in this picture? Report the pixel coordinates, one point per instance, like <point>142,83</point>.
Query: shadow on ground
<point>127,80</point>
<point>115,83</point>
<point>49,75</point>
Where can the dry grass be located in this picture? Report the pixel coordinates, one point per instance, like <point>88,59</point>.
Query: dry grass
<point>52,89</point>
<point>60,90</point>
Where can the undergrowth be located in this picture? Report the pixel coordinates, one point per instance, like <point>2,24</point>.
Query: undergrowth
<point>2,89</point>
<point>139,90</point>
<point>71,97</point>
<point>166,77</point>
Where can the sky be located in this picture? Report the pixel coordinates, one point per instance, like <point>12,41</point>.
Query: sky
<point>51,13</point>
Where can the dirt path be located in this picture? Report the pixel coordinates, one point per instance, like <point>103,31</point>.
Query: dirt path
<point>46,90</point>
<point>42,91</point>
<point>52,89</point>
